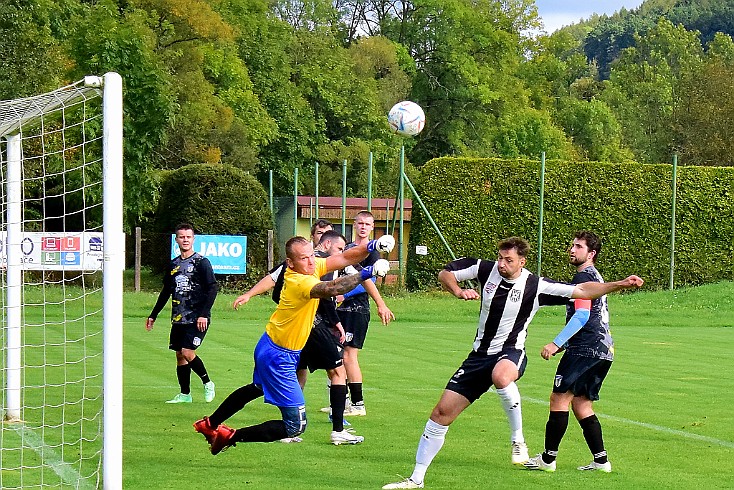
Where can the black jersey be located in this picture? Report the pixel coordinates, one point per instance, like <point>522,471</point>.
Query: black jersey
<point>507,306</point>
<point>326,315</point>
<point>193,287</point>
<point>360,301</point>
<point>594,339</point>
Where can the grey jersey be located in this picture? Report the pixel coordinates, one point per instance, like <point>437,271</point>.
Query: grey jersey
<point>594,339</point>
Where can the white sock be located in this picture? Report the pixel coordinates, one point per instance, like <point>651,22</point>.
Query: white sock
<point>511,402</point>
<point>430,444</point>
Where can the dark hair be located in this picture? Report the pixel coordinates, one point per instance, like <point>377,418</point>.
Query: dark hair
<point>519,244</point>
<point>320,223</point>
<point>183,226</point>
<point>331,235</point>
<point>291,242</point>
<point>593,242</point>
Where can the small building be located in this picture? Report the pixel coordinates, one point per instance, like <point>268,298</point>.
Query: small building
<point>387,218</point>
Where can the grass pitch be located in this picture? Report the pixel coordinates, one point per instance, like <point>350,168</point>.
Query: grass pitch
<point>665,407</point>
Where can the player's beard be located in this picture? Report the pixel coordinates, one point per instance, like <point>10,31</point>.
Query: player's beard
<point>575,261</point>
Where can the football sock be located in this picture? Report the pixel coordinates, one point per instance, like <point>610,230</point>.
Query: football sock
<point>510,398</point>
<point>235,402</point>
<point>592,433</point>
<point>197,366</point>
<point>429,445</point>
<point>272,430</point>
<point>183,373</point>
<point>555,428</point>
<point>356,391</point>
<point>337,400</point>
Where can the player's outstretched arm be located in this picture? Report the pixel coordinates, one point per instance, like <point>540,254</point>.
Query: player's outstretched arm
<point>593,290</point>
<point>384,244</point>
<point>263,286</point>
<point>450,284</point>
<point>340,285</point>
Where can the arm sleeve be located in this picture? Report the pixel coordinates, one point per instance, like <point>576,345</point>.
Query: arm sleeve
<point>358,290</point>
<point>464,268</point>
<point>577,321</point>
<point>163,296</point>
<point>329,311</point>
<point>210,287</point>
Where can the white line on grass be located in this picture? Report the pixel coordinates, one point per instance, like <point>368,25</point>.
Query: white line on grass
<point>658,428</point>
<point>65,471</point>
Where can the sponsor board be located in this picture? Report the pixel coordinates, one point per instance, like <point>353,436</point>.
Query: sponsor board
<point>227,253</point>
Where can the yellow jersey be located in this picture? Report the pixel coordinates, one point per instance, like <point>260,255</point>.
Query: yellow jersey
<point>291,323</point>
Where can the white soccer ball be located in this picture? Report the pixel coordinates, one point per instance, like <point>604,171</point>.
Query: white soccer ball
<point>406,118</point>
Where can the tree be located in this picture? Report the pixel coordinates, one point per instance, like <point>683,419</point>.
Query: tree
<point>703,129</point>
<point>103,39</point>
<point>645,89</point>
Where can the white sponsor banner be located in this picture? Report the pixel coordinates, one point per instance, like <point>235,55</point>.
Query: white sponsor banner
<point>227,253</point>
<point>57,251</point>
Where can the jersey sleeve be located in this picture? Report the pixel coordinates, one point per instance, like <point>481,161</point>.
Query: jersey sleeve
<point>164,294</point>
<point>209,286</point>
<point>554,293</point>
<point>464,269</point>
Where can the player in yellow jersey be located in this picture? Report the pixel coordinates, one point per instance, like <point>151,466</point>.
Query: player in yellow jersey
<point>277,352</point>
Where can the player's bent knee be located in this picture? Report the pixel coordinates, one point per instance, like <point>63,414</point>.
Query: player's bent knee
<point>294,419</point>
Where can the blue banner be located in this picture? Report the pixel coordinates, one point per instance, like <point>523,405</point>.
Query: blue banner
<point>227,253</point>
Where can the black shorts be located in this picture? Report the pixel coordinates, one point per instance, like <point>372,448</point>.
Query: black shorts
<point>322,351</point>
<point>581,375</point>
<point>185,336</point>
<point>355,323</point>
<point>474,377</point>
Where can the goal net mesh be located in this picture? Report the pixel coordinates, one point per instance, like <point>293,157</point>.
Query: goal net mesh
<point>53,438</point>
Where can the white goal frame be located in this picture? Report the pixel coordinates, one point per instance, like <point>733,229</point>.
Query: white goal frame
<point>13,115</point>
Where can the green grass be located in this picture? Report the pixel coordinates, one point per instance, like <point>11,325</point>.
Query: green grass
<point>665,407</point>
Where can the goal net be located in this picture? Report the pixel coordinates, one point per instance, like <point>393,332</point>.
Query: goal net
<point>61,262</point>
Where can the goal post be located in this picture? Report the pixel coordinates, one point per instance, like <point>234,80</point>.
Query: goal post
<point>62,259</point>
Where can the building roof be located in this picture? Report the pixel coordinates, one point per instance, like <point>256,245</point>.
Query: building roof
<point>330,207</point>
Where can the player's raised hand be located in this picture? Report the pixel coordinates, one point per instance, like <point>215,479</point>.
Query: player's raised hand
<point>384,244</point>
<point>379,268</point>
<point>633,282</point>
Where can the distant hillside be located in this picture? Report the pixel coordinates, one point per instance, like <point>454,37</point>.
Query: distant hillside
<point>606,35</point>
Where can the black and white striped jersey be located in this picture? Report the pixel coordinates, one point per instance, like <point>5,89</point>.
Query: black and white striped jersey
<point>507,306</point>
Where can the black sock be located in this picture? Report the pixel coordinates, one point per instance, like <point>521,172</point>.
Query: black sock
<point>272,430</point>
<point>355,389</point>
<point>183,373</point>
<point>337,401</point>
<point>197,366</point>
<point>592,433</point>
<point>555,428</point>
<point>235,402</point>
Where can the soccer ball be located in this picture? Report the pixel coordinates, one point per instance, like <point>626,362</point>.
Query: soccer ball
<point>406,118</point>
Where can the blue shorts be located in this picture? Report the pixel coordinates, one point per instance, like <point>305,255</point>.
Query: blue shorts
<point>275,373</point>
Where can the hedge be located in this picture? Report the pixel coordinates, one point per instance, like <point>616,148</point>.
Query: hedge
<point>477,202</point>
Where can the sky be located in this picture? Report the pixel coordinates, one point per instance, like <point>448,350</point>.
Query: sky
<point>559,13</point>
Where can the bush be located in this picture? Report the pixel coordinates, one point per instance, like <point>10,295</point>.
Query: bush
<point>217,200</point>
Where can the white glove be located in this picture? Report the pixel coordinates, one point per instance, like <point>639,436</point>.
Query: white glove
<point>381,267</point>
<point>385,244</point>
